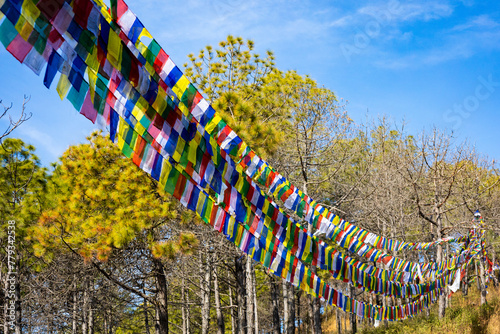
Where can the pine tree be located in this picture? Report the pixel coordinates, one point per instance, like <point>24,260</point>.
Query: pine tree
<point>22,197</point>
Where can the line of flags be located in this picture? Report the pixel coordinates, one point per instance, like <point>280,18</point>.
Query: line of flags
<point>112,70</point>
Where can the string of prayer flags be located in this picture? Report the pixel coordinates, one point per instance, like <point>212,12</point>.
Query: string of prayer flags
<point>77,99</point>
<point>234,147</point>
<point>279,260</point>
<point>216,123</point>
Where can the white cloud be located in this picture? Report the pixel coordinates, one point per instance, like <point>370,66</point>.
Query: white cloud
<point>477,22</point>
<point>394,12</point>
<point>402,12</point>
<point>344,21</point>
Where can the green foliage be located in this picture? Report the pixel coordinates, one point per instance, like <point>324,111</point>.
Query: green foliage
<point>232,67</point>
<point>249,93</point>
<point>22,185</point>
<point>23,196</point>
<point>133,322</point>
<point>103,201</point>
<point>319,140</point>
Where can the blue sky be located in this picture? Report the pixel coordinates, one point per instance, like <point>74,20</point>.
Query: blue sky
<point>429,63</point>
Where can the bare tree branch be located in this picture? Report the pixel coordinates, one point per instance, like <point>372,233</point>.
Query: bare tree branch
<point>13,124</point>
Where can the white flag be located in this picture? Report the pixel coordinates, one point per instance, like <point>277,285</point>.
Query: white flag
<point>456,284</point>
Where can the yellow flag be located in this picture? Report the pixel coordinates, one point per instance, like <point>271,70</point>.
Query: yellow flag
<point>165,170</point>
<point>92,83</point>
<point>63,86</point>
<point>114,49</point>
<point>212,124</point>
<point>26,31</point>
<point>179,149</point>
<point>30,11</point>
<point>161,100</point>
<point>180,86</point>
<point>192,152</point>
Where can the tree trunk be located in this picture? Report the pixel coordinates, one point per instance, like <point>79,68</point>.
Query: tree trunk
<point>299,319</point>
<point>291,318</point>
<point>310,316</point>
<point>188,313</point>
<point>241,294</point>
<point>384,298</point>
<point>205,290</point>
<point>315,307</point>
<point>495,278</point>
<point>482,281</point>
<point>439,258</point>
<point>91,310</point>
<point>6,300</point>
<point>91,320</point>
<point>339,323</point>
<point>385,304</point>
<point>18,295</point>
<point>234,325</point>
<point>146,315</point>
<point>373,300</point>
<point>75,308</point>
<point>161,326</point>
<point>446,289</point>
<point>255,308</point>
<point>478,281</point>
<point>110,323</point>
<point>274,294</point>
<point>220,317</point>
<point>286,311</point>
<point>183,298</point>
<point>289,307</point>
<point>354,328</point>
<point>465,283</point>
<point>317,315</point>
<point>85,305</point>
<point>249,296</point>
<point>6,311</point>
